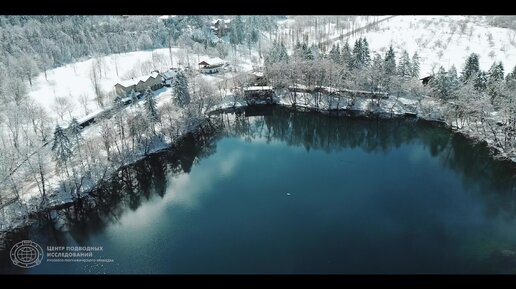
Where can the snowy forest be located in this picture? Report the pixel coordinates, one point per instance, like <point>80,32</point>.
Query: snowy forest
<point>50,157</point>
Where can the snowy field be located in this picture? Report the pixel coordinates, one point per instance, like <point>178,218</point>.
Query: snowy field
<point>73,81</point>
<point>439,40</point>
<point>68,91</point>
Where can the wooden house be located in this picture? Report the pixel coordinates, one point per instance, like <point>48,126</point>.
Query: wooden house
<point>211,65</point>
<point>139,84</point>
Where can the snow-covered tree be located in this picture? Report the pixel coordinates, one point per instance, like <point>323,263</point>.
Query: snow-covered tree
<point>360,55</point>
<point>495,80</point>
<point>335,54</point>
<point>496,72</point>
<point>62,147</point>
<point>390,62</point>
<point>471,68</point>
<point>376,73</point>
<point>415,65</point>
<point>346,55</point>
<point>366,58</point>
<point>510,80</point>
<point>29,66</point>
<point>277,54</point>
<point>238,26</point>
<point>480,81</point>
<point>440,84</point>
<point>150,106</point>
<point>453,79</point>
<point>75,131</point>
<point>181,90</point>
<point>405,67</point>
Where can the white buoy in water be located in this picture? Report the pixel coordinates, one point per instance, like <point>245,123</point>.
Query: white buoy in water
<point>288,194</point>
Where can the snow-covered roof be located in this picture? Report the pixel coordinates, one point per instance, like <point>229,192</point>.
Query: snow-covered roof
<point>227,21</point>
<point>258,88</point>
<point>90,116</point>
<point>135,80</point>
<point>169,74</point>
<point>167,16</point>
<point>297,85</point>
<point>212,61</point>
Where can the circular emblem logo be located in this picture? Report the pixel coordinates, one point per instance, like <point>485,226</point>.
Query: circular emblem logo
<point>26,254</point>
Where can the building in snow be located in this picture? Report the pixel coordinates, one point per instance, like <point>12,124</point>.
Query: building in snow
<point>168,76</point>
<point>220,27</point>
<point>140,84</point>
<point>255,94</point>
<point>258,79</point>
<point>425,80</point>
<point>211,65</point>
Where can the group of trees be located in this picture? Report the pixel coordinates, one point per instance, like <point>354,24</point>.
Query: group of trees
<point>471,98</point>
<point>475,96</point>
<point>124,135</point>
<point>32,44</point>
<point>445,84</point>
<point>343,67</point>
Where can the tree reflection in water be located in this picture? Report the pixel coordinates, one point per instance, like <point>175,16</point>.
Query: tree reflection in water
<point>491,180</point>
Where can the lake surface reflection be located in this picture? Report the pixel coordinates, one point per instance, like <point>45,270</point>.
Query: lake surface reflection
<point>277,191</point>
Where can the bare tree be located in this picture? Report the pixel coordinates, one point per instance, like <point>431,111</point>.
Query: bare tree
<point>95,81</point>
<point>63,105</point>
<point>84,101</point>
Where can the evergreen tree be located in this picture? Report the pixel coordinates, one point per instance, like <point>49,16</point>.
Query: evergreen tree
<point>311,52</point>
<point>151,107</point>
<point>61,147</point>
<point>365,56</point>
<point>510,80</point>
<point>75,131</point>
<point>277,54</point>
<point>495,80</point>
<point>304,52</point>
<point>282,55</point>
<point>471,68</point>
<point>335,54</point>
<point>512,75</point>
<point>356,62</point>
<point>299,52</point>
<point>453,79</point>
<point>496,72</point>
<point>415,65</point>
<point>233,37</point>
<point>238,27</point>
<point>181,92</point>
<point>255,34</point>
<point>377,73</point>
<point>390,62</point>
<point>346,55</point>
<point>134,97</point>
<point>440,84</point>
<point>480,81</point>
<point>404,67</point>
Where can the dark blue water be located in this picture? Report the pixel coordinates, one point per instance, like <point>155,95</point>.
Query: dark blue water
<point>304,193</point>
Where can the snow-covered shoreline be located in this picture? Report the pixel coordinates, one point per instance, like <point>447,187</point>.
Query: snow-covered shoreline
<point>425,109</point>
<point>344,107</point>
<point>59,202</point>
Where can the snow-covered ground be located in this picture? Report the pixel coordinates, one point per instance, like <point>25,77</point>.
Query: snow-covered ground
<point>73,81</point>
<point>439,40</point>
